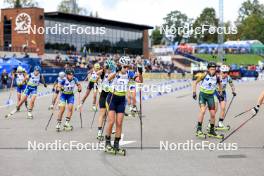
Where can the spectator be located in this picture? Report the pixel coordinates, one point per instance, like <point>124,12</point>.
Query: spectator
<point>4,79</point>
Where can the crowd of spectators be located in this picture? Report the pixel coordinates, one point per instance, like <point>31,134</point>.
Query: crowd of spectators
<point>152,64</point>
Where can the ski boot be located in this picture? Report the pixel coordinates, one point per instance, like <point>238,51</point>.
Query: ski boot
<point>67,126</point>
<point>222,127</point>
<point>200,134</point>
<point>117,149</point>
<point>213,134</point>
<point>29,114</point>
<point>58,126</point>
<point>100,136</point>
<point>12,113</point>
<point>51,107</point>
<point>133,111</point>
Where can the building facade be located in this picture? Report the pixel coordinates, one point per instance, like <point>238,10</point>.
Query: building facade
<point>41,32</point>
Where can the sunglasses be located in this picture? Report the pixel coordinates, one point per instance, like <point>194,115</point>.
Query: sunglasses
<point>125,67</point>
<point>225,72</point>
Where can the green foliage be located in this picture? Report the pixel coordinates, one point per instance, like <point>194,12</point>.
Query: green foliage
<point>71,6</point>
<point>156,36</point>
<point>242,59</point>
<point>21,3</point>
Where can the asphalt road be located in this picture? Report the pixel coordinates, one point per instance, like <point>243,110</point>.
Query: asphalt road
<point>169,117</point>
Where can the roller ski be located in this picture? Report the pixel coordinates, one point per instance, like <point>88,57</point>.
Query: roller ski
<point>11,113</point>
<point>67,127</point>
<point>115,151</point>
<point>213,134</point>
<point>100,136</point>
<point>200,134</point>
<point>222,127</point>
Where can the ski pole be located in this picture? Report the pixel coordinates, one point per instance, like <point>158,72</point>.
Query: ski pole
<point>10,92</point>
<point>95,111</point>
<point>243,112</point>
<point>235,130</point>
<point>79,100</point>
<point>229,106</point>
<point>53,111</point>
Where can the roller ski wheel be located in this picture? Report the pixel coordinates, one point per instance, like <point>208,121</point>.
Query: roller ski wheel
<point>225,128</point>
<point>67,128</point>
<point>216,136</point>
<point>200,135</point>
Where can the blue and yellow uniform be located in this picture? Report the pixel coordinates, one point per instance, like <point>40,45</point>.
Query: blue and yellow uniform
<point>21,85</point>
<point>32,85</point>
<point>116,99</point>
<point>67,93</point>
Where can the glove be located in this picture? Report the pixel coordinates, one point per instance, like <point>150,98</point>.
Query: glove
<point>79,90</point>
<point>118,68</point>
<point>255,110</point>
<point>45,85</point>
<point>234,94</point>
<point>140,70</point>
<point>194,96</point>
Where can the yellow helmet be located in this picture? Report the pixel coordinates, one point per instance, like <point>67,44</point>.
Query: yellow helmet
<point>97,66</point>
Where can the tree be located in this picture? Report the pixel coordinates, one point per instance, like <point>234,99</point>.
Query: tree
<point>21,3</point>
<point>71,6</point>
<point>248,8</point>
<point>174,21</point>
<point>207,18</point>
<point>156,36</point>
<point>252,28</point>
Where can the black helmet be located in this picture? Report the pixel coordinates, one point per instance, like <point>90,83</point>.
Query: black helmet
<point>211,64</point>
<point>69,71</point>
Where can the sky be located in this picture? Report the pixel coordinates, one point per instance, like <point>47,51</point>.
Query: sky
<point>149,12</point>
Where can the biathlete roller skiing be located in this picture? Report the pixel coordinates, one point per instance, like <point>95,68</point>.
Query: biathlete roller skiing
<point>109,68</point>
<point>210,82</point>
<point>116,102</point>
<point>66,87</point>
<point>19,76</point>
<point>225,80</point>
<point>93,78</point>
<point>131,93</point>
<point>55,91</point>
<point>33,80</point>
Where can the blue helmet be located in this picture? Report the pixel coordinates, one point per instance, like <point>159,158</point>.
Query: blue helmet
<point>37,68</point>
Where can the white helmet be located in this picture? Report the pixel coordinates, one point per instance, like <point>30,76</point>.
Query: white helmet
<point>61,74</point>
<point>124,60</point>
<point>224,68</point>
<point>19,69</point>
